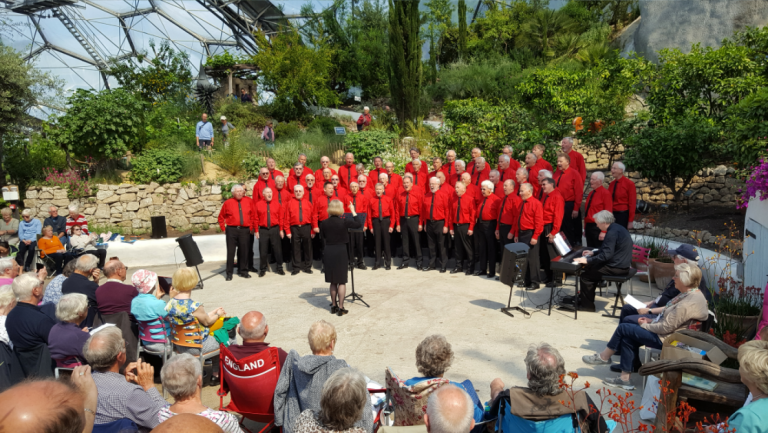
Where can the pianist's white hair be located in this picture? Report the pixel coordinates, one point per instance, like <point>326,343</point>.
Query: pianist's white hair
<point>604,217</point>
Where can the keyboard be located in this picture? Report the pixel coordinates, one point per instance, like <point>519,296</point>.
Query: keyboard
<point>565,263</point>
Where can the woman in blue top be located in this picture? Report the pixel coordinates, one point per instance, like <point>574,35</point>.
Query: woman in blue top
<point>753,367</point>
<point>149,309</point>
<point>433,358</point>
<point>29,228</point>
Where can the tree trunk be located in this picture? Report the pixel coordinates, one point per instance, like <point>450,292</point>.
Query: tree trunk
<point>2,162</point>
<point>462,29</point>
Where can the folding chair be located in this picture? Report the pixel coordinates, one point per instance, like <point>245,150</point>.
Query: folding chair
<point>146,331</point>
<point>641,256</point>
<point>408,403</point>
<point>191,335</point>
<point>509,423</point>
<point>41,258</point>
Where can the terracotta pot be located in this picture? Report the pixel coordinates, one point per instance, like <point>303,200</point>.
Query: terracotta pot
<point>747,324</point>
<point>661,271</point>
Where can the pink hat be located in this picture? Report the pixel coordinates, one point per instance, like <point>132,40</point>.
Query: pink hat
<point>144,280</point>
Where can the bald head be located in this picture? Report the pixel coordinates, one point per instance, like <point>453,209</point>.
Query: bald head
<point>466,178</point>
<point>187,422</point>
<point>42,405</point>
<point>441,176</point>
<point>253,327</point>
<point>449,410</point>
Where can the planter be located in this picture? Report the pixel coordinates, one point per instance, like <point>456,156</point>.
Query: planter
<point>661,273</point>
<point>747,324</point>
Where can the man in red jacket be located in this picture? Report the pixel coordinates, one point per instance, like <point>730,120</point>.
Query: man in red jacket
<point>485,231</point>
<point>543,174</point>
<point>623,196</point>
<point>306,172</point>
<point>394,179</point>
<point>312,190</point>
<point>495,179</point>
<point>568,182</point>
<point>364,121</point>
<point>598,199</point>
<point>269,216</point>
<point>533,171</point>
<point>553,207</point>
<point>281,193</point>
<point>521,177</point>
<point>449,167</point>
<point>360,200</point>
<point>409,168</point>
<point>325,162</point>
<point>362,183</point>
<point>538,150</point>
<point>462,224</point>
<point>420,181</point>
<point>444,185</point>
<point>472,191</point>
<point>508,209</point>
<point>273,171</point>
<point>382,216</point>
<point>480,171</point>
<point>298,222</point>
<point>434,220</point>
<point>339,192</point>
<point>437,166</point>
<point>528,228</point>
<point>264,181</point>
<point>348,171</point>
<point>373,175</point>
<point>507,168</point>
<point>577,160</point>
<point>389,189</point>
<point>237,220</point>
<point>297,176</point>
<point>408,209</point>
<point>460,167</point>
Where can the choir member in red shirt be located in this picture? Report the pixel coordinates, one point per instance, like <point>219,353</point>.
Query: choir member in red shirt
<point>577,161</point>
<point>528,228</point>
<point>543,164</point>
<point>394,179</point>
<point>495,179</point>
<point>480,171</point>
<point>462,224</point>
<point>348,171</point>
<point>508,209</point>
<point>237,219</point>
<point>281,193</point>
<point>273,171</point>
<point>409,168</point>
<point>507,150</point>
<point>373,175</point>
<point>298,222</point>
<point>507,168</point>
<point>533,171</point>
<point>434,221</point>
<point>568,182</point>
<point>382,216</point>
<point>485,231</point>
<point>297,176</point>
<point>360,201</point>
<point>325,162</point>
<point>449,167</point>
<point>312,190</point>
<point>553,206</point>
<point>599,199</point>
<point>437,166</point>
<point>445,187</point>
<point>460,167</point>
<point>389,189</point>
<point>269,216</point>
<point>476,153</point>
<point>264,181</point>
<point>623,196</point>
<point>306,172</point>
<point>325,175</point>
<point>339,192</point>
<point>362,183</point>
<point>409,210</point>
<point>521,177</point>
<point>420,180</point>
<point>543,174</point>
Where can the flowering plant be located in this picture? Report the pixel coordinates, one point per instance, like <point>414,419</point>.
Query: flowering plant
<point>76,186</point>
<point>756,184</point>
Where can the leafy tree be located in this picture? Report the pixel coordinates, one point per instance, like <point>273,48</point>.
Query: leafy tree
<point>747,126</point>
<point>438,21</point>
<point>25,158</point>
<point>368,144</point>
<point>462,29</point>
<point>404,58</point>
<point>369,28</point>
<point>165,75</point>
<point>492,79</point>
<point>541,32</point>
<point>498,31</point>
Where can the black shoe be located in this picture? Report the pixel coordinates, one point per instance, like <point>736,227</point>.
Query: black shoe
<point>491,277</point>
<point>341,312</point>
<point>215,381</point>
<point>497,279</point>
<point>456,270</point>
<point>375,267</point>
<point>442,270</point>
<point>228,277</point>
<point>362,267</point>
<point>252,269</point>
<point>245,275</point>
<point>387,267</point>
<point>280,271</point>
<point>547,281</point>
<point>585,308</point>
<point>295,272</point>
<point>532,286</point>
<point>261,274</point>
<point>429,268</point>
<point>468,272</point>
<point>402,266</point>
<point>307,271</point>
<point>334,309</point>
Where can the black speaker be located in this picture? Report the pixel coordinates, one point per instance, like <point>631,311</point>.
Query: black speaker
<point>512,253</point>
<point>159,230</point>
<point>191,252</point>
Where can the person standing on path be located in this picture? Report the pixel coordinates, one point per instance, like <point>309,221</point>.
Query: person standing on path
<point>204,133</point>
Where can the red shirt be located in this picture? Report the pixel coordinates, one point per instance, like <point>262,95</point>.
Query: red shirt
<point>293,181</point>
<point>282,196</point>
<point>498,190</point>
<point>447,189</point>
<point>396,181</point>
<point>432,174</point>
<point>479,176</point>
<point>387,210</point>
<point>597,200</point>
<point>304,173</point>
<point>340,193</point>
<point>577,163</point>
<point>439,205</point>
<point>274,173</point>
<point>312,193</point>
<point>360,201</point>
<point>554,207</point>
<point>543,164</point>
<point>420,181</point>
<point>449,168</point>
<point>508,209</point>
<point>488,209</point>
<point>321,207</point>
<point>422,169</point>
<point>319,179</point>
<point>624,196</point>
<point>533,174</point>
<point>259,186</point>
<point>230,213</point>
<point>509,173</point>
<point>275,213</point>
<point>414,197</point>
<point>570,185</point>
<point>291,215</point>
<point>347,175</point>
<point>530,217</point>
<point>471,168</point>
<point>369,192</point>
<point>373,176</point>
<point>464,207</point>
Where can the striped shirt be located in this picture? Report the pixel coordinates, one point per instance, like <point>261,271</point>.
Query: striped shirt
<point>225,420</point>
<point>78,221</point>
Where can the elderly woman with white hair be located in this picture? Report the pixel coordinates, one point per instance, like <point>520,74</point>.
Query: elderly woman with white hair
<point>182,377</point>
<point>76,218</point>
<point>9,227</point>
<point>344,398</point>
<point>86,242</point>
<point>753,368</point>
<point>300,386</point>
<point>66,338</point>
<point>237,219</point>
<point>7,302</point>
<point>686,308</point>
<point>29,228</point>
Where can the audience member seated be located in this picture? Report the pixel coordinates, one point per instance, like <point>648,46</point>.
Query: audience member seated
<point>689,306</point>
<point>59,224</point>
<point>542,399</point>
<point>75,219</point>
<point>132,396</point>
<point>53,290</point>
<point>113,296</point>
<point>27,326</point>
<point>5,249</point>
<point>29,228</point>
<point>753,367</point>
<point>7,302</point>
<point>449,410</point>
<point>187,422</point>
<point>434,356</point>
<point>182,310</point>
<point>9,269</point>
<point>84,280</point>
<point>182,377</point>
<point>46,405</point>
<point>9,227</point>
<point>52,247</point>
<point>87,242</point>
<point>343,400</point>
<point>253,330</point>
<point>66,338</point>
<point>149,308</point>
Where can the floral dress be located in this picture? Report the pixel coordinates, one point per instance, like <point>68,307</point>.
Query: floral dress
<point>180,312</point>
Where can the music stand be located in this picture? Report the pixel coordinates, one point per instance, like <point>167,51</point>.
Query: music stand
<point>361,217</point>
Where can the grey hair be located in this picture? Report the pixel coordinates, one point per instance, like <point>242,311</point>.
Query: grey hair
<point>236,187</point>
<point>535,158</point>
<point>179,375</point>
<point>480,159</point>
<point>24,285</point>
<point>298,164</point>
<point>604,217</point>
<point>407,175</point>
<point>264,191</point>
<point>52,207</point>
<point>449,151</point>
<point>71,306</point>
<point>86,263</point>
<point>434,356</point>
<point>5,264</point>
<point>526,186</point>
<point>366,108</point>
<point>461,163</point>
<point>26,212</point>
<point>7,299</point>
<point>255,333</point>
<point>385,176</point>
<point>112,267</point>
<point>599,174</point>
<point>73,207</point>
<point>449,420</point>
<point>344,398</point>
<point>568,139</point>
<point>6,211</point>
<point>494,172</point>
<point>523,170</point>
<point>488,184</point>
<point>545,366</point>
<point>509,148</point>
<point>299,187</point>
<point>620,165</point>
<point>546,173</point>
<point>504,157</point>
<point>361,176</point>
<point>105,355</point>
<point>690,275</point>
<point>302,154</point>
<point>416,161</point>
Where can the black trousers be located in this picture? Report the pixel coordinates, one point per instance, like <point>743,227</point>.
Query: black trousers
<point>98,252</point>
<point>237,237</point>
<point>267,237</point>
<point>409,229</point>
<point>504,230</point>
<point>547,251</point>
<point>59,259</point>
<point>589,279</point>
<point>381,236</point>
<point>592,234</point>
<point>622,218</point>
<point>29,251</point>
<point>485,246</point>
<point>531,271</point>
<point>251,252</point>
<point>436,243</point>
<point>301,237</point>
<point>571,226</point>
<point>464,246</point>
<point>358,242</point>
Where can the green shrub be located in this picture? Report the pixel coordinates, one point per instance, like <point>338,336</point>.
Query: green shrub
<point>367,144</point>
<point>231,158</point>
<point>287,130</point>
<point>286,153</point>
<point>491,79</point>
<point>25,159</point>
<point>240,115</point>
<point>324,125</point>
<point>158,165</point>
<point>252,165</point>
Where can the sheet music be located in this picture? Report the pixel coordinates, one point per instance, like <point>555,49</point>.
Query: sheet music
<point>631,300</point>
<point>561,245</point>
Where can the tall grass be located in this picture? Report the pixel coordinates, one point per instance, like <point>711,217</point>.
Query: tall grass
<point>487,78</point>
<point>313,144</point>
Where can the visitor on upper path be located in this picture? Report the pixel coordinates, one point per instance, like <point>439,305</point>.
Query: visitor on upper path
<point>268,134</point>
<point>226,127</point>
<point>204,133</point>
<point>364,121</point>
<point>245,97</point>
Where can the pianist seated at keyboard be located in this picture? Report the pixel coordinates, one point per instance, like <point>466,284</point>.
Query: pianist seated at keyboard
<point>685,309</point>
<point>613,258</point>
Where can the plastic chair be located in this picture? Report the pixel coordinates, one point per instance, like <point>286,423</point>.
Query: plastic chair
<point>509,423</point>
<point>146,331</point>
<point>408,403</point>
<point>641,256</point>
<point>191,335</point>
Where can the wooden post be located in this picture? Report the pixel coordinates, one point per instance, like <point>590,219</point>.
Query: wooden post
<point>202,163</point>
<point>230,82</point>
<point>668,402</point>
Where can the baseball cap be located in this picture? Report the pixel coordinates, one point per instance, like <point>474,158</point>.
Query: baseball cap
<point>685,250</point>
<point>223,118</point>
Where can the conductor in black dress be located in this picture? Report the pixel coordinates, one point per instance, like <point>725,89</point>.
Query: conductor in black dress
<point>336,256</point>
